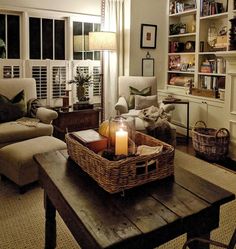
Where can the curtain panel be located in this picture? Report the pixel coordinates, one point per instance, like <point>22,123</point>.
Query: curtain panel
<point>113,62</point>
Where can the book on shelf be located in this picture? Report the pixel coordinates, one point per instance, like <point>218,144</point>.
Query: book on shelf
<point>212,7</point>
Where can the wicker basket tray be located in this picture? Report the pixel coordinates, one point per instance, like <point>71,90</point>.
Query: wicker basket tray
<point>209,143</point>
<point>116,176</point>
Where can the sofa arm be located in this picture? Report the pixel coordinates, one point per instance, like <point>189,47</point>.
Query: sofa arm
<point>121,106</point>
<point>167,107</point>
<point>46,115</point>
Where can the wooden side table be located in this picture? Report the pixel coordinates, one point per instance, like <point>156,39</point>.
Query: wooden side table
<point>181,102</point>
<point>75,120</point>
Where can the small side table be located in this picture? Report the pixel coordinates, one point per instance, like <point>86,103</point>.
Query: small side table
<point>75,120</point>
<point>181,102</point>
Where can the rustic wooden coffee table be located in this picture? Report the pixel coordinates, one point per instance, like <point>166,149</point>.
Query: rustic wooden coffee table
<point>145,217</point>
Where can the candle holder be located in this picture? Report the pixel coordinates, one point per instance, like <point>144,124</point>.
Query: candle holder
<point>122,136</point>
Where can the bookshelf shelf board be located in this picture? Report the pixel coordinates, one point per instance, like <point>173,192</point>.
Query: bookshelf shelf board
<point>187,12</point>
<point>212,74</point>
<point>182,53</point>
<point>209,53</point>
<point>216,16</point>
<point>182,35</point>
<point>176,87</point>
<point>181,72</point>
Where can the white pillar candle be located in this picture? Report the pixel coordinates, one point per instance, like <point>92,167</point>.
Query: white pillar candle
<point>121,145</point>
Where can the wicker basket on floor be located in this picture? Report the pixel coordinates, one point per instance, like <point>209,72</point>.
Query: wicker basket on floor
<point>116,176</point>
<point>209,143</point>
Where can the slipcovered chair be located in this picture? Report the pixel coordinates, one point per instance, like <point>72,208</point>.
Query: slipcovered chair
<point>137,93</point>
<point>17,130</point>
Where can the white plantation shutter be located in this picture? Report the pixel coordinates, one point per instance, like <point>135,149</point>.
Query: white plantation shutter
<point>58,81</point>
<point>11,72</point>
<point>39,73</point>
<point>96,81</point>
<point>11,68</point>
<point>51,78</point>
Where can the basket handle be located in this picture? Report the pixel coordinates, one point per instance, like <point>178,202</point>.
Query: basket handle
<point>200,122</point>
<point>224,130</point>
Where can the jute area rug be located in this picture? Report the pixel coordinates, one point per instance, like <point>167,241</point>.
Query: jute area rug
<point>22,221</point>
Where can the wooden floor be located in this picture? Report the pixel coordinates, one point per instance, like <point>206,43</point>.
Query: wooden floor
<point>185,147</point>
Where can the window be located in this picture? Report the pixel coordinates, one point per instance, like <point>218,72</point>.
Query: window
<point>48,45</point>
<point>80,41</point>
<point>9,36</point>
<point>46,38</point>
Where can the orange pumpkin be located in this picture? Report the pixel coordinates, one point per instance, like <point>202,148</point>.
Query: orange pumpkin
<point>104,130</point>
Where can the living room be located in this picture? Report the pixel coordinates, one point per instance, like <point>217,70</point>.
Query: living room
<point>22,215</point>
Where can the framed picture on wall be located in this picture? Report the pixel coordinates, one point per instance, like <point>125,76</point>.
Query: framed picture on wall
<point>148,36</point>
<point>147,67</point>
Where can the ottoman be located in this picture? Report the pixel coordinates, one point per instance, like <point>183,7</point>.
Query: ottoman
<point>17,162</point>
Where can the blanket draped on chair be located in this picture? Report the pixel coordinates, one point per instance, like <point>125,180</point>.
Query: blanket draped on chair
<point>157,123</point>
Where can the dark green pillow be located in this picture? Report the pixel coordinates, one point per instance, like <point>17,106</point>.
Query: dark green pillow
<point>12,109</point>
<point>133,91</point>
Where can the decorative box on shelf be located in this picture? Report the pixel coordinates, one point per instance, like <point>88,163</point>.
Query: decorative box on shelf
<point>116,176</point>
<point>204,92</point>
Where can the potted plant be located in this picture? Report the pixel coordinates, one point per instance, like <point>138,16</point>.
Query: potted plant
<point>81,80</point>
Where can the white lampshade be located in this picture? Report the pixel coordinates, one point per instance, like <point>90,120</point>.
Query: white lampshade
<point>100,41</point>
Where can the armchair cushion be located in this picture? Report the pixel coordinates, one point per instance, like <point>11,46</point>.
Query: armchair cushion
<point>46,115</point>
<point>142,102</point>
<point>11,132</point>
<point>121,106</point>
<point>133,91</point>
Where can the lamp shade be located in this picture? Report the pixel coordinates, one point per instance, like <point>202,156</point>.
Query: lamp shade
<point>100,41</point>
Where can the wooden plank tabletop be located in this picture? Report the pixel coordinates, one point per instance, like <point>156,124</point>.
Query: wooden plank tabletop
<point>145,217</point>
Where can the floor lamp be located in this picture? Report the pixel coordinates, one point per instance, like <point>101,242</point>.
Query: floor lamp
<point>102,41</point>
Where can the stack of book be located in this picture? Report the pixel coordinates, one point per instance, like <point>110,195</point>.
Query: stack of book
<point>211,7</point>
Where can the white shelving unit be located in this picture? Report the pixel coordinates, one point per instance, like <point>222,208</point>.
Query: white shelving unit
<point>189,22</point>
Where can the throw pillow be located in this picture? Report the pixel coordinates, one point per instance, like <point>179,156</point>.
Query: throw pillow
<point>32,107</point>
<point>133,91</point>
<point>142,102</point>
<point>12,109</point>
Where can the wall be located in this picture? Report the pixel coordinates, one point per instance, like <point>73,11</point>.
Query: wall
<point>148,12</point>
<point>77,6</point>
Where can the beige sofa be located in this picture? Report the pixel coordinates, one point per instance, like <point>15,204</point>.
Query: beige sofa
<point>12,131</point>
<point>122,106</point>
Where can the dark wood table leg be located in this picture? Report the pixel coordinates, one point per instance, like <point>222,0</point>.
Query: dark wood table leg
<point>50,225</point>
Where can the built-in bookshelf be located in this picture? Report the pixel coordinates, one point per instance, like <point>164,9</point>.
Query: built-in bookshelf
<point>199,31</point>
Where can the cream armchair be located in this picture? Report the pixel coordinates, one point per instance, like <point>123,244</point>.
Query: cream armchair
<point>13,131</point>
<point>125,108</point>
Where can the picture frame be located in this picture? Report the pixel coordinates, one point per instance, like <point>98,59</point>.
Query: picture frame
<point>147,67</point>
<point>148,36</point>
